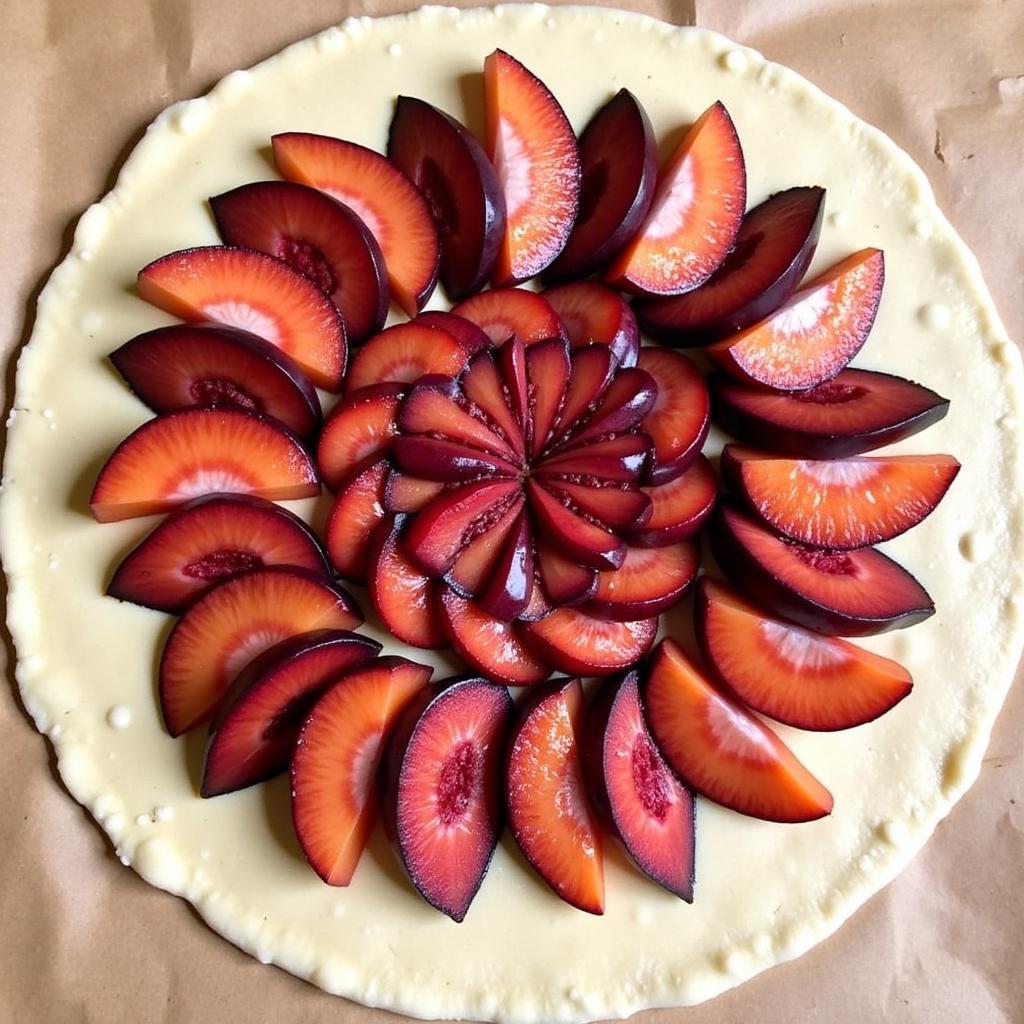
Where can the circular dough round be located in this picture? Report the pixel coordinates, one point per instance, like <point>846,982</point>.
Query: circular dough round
<point>765,892</point>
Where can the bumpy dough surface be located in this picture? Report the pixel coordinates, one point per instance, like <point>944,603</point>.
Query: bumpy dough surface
<point>765,892</point>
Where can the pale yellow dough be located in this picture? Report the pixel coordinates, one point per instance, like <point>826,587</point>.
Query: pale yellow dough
<point>765,892</point>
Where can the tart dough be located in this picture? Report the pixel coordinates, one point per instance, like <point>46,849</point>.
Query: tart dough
<point>765,892</point>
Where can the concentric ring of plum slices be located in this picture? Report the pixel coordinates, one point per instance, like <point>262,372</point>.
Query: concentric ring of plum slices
<point>519,479</point>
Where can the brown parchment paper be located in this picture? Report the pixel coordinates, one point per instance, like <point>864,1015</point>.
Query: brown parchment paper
<point>84,939</point>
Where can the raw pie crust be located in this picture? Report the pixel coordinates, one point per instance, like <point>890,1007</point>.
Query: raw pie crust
<point>765,892</point>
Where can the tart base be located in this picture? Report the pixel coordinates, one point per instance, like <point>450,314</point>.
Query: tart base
<point>893,780</point>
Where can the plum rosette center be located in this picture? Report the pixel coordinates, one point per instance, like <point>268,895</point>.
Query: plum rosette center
<point>541,456</point>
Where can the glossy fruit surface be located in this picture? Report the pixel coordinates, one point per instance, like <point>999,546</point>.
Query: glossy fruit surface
<point>790,674</point>
<point>209,540</point>
<point>402,596</point>
<point>695,215</point>
<point>356,511</point>
<point>592,313</point>
<point>361,426</point>
<point>570,640</point>
<point>680,418</point>
<point>720,749</point>
<point>337,755</point>
<point>839,503</point>
<point>383,198</point>
<point>773,250</point>
<point>254,734</point>
<point>649,581</point>
<point>172,459</point>
<point>854,412</point>
<point>461,186</point>
<point>502,313</point>
<point>254,292</point>
<point>841,593</point>
<point>811,338</point>
<point>490,646</point>
<point>403,353</point>
<point>209,365</point>
<point>442,784</point>
<point>619,165</point>
<point>640,799</point>
<point>533,148</point>
<point>228,627</point>
<point>319,237</point>
<point>548,810</point>
<point>679,508</point>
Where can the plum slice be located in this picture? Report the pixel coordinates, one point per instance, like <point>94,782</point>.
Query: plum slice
<point>354,515</point>
<point>448,522</point>
<point>679,508</point>
<point>384,199</point>
<point>617,460</point>
<point>361,426</point>
<point>489,645</point>
<point>624,404</point>
<point>534,150</point>
<point>809,339</point>
<point>844,593</point>
<point>503,313</point>
<point>334,768</point>
<point>253,735</point>
<point>435,458</point>
<point>466,333</point>
<point>406,493</point>
<point>613,507</point>
<point>790,674</point>
<point>483,386</point>
<point>315,235</point>
<point>209,540</point>
<point>404,353</point>
<point>773,250</point>
<point>461,186</point>
<point>511,361</point>
<point>435,407</point>
<point>619,164</point>
<point>563,580</point>
<point>254,292</point>
<point>580,539</point>
<point>228,627</point>
<point>174,458</point>
<point>539,607</point>
<point>839,503</point>
<point>473,569</point>
<point>637,796</point>
<point>548,808</point>
<point>680,418</point>
<point>721,750</point>
<point>402,596</point>
<point>572,641</point>
<point>649,582</point>
<point>442,794</point>
<point>510,587</point>
<point>695,215</point>
<point>209,365</point>
<point>593,314</point>
<point>593,370</point>
<point>547,370</point>
<point>854,412</point>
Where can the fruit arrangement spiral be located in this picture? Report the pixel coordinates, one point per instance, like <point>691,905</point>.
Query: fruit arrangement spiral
<point>520,479</point>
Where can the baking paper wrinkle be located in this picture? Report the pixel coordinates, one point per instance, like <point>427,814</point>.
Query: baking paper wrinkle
<point>94,943</point>
<point>1011,89</point>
